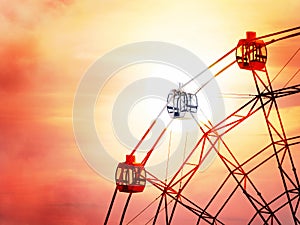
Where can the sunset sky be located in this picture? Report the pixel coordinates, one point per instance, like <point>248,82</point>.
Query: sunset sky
<point>46,48</point>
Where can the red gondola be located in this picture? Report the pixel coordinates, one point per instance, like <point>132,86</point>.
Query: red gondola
<point>251,53</point>
<point>130,176</point>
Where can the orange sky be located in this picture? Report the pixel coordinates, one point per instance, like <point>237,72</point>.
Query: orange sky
<point>46,47</point>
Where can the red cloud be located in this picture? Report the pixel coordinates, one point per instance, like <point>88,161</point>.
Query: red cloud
<point>18,63</point>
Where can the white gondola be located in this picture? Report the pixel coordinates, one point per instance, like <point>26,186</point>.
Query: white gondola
<point>180,102</point>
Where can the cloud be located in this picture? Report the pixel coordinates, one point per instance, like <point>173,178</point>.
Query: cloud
<point>18,63</point>
<point>29,13</point>
<point>21,52</point>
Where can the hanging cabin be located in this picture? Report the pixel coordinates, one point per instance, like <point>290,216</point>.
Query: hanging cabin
<point>180,102</point>
<point>130,176</point>
<point>251,53</point>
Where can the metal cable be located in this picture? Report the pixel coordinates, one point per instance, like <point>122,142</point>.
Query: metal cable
<point>290,59</point>
<point>292,78</point>
<point>143,210</point>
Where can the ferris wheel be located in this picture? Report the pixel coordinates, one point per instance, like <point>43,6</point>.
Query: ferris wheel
<point>282,206</point>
